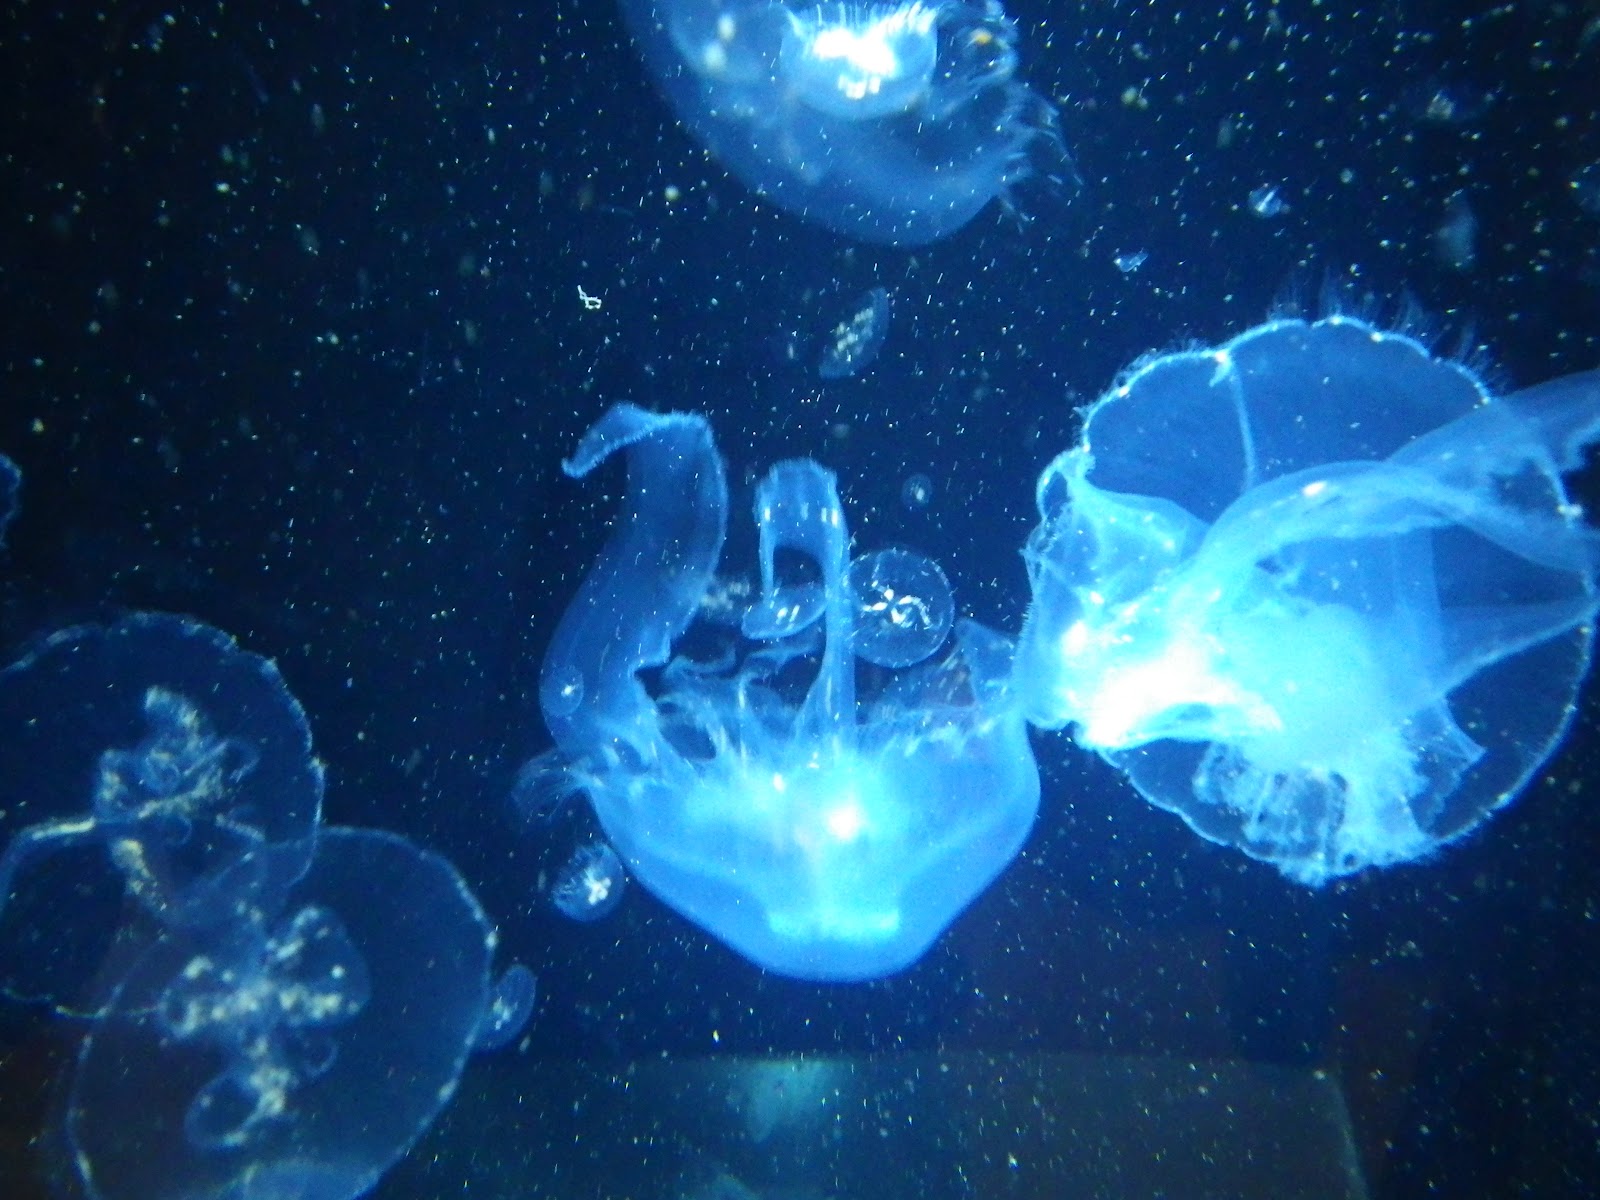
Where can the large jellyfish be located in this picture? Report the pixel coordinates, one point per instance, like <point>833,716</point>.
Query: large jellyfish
<point>1316,591</point>
<point>145,757</point>
<point>820,836</point>
<point>300,1046</point>
<point>888,123</point>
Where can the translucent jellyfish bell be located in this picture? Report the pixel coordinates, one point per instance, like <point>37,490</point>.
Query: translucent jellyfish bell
<point>295,1049</point>
<point>890,123</point>
<point>592,883</point>
<point>1316,591</point>
<point>144,758</point>
<point>904,606</point>
<point>821,836</point>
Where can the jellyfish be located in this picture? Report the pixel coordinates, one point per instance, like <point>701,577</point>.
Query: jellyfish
<point>820,835</point>
<point>904,607</point>
<point>300,1045</point>
<point>591,884</point>
<point>10,494</point>
<point>1316,591</point>
<point>151,756</point>
<point>893,123</point>
<point>855,342</point>
<point>508,1010</point>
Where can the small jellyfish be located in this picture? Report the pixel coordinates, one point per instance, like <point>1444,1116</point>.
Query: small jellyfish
<point>1455,241</point>
<point>543,786</point>
<point>591,884</point>
<point>1267,201</point>
<point>855,342</point>
<point>1445,102</point>
<point>904,606</point>
<point>510,1004</point>
<point>1132,261</point>
<point>917,491</point>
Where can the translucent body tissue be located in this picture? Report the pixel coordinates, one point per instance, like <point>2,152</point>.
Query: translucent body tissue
<point>1316,591</point>
<point>888,123</point>
<point>821,836</point>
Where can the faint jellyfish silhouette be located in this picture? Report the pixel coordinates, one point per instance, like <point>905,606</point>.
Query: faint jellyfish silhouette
<point>917,491</point>
<point>543,787</point>
<point>10,494</point>
<point>855,341</point>
<point>1267,201</point>
<point>1455,240</point>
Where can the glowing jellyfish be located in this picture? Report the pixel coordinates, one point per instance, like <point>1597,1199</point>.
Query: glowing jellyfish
<point>263,1027</point>
<point>904,606</point>
<point>820,836</point>
<point>888,123</point>
<point>298,1047</point>
<point>591,884</point>
<point>1316,591</point>
<point>144,758</point>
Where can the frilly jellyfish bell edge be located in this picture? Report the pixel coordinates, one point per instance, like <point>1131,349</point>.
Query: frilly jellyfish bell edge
<point>1337,612</point>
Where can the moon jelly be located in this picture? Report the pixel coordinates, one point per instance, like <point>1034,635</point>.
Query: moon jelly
<point>892,123</point>
<point>1316,591</point>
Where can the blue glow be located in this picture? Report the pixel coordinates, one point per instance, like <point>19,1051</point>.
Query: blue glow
<point>591,884</point>
<point>820,837</point>
<point>1316,591</point>
<point>109,764</point>
<point>10,494</point>
<point>299,1049</point>
<point>888,123</point>
<point>262,1027</point>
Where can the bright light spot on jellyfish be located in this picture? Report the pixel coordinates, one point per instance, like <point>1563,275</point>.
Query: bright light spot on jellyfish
<point>917,491</point>
<point>591,884</point>
<point>1267,201</point>
<point>855,342</point>
<point>858,66</point>
<point>893,123</point>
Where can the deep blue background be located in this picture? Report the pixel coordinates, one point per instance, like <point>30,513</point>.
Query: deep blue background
<point>290,340</point>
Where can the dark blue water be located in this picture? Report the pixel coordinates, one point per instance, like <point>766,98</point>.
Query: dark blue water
<point>292,340</point>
